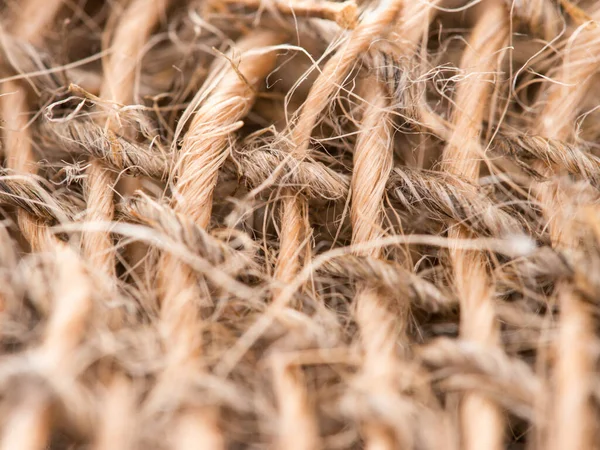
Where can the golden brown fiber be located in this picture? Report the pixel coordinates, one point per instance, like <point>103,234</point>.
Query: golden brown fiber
<point>299,224</point>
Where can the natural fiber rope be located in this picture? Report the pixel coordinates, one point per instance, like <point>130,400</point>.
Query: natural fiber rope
<point>29,26</point>
<point>482,421</point>
<point>131,34</point>
<point>573,417</point>
<point>363,224</point>
<point>372,166</point>
<point>203,151</point>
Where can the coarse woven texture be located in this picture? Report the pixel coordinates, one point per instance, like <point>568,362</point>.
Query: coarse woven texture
<point>300,224</point>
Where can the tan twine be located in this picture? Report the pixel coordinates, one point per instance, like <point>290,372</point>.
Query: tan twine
<point>299,224</point>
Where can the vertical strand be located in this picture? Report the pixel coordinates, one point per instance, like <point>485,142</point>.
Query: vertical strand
<point>294,215</point>
<point>373,158</point>
<point>118,422</point>
<point>131,34</point>
<point>28,426</point>
<point>298,428</point>
<point>30,26</point>
<point>573,417</point>
<point>482,423</point>
<point>373,25</point>
<point>297,416</point>
<point>204,149</point>
<point>20,158</point>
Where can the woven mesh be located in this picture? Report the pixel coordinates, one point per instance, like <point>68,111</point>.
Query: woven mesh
<point>299,224</point>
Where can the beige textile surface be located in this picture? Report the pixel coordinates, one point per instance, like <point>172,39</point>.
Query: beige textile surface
<point>300,224</point>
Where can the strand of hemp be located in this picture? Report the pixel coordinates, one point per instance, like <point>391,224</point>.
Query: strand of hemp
<point>298,428</point>
<point>375,24</point>
<point>28,426</point>
<point>229,96</point>
<point>573,415</point>
<point>379,327</point>
<point>65,326</point>
<point>131,34</point>
<point>294,216</point>
<point>30,25</point>
<point>482,422</point>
